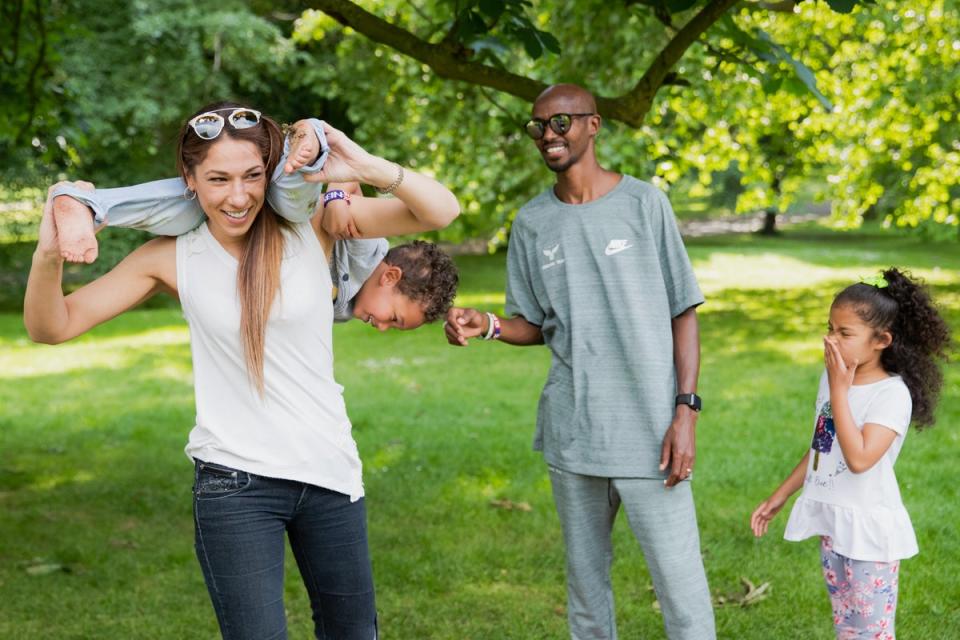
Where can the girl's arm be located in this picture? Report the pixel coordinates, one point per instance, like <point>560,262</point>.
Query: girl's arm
<point>769,508</point>
<point>421,203</point>
<point>51,317</point>
<point>861,448</point>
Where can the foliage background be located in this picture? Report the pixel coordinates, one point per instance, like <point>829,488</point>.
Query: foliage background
<point>769,109</point>
<point>852,103</point>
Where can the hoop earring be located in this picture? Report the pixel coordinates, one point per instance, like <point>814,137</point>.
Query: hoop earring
<point>189,194</point>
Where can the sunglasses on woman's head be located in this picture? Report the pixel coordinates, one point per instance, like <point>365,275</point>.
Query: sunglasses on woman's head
<point>559,122</point>
<point>209,125</point>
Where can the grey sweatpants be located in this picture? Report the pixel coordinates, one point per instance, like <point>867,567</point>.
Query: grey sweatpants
<point>664,523</point>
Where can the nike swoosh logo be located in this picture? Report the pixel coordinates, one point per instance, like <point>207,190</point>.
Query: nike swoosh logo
<point>613,250</point>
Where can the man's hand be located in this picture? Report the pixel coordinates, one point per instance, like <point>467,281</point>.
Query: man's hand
<point>679,446</point>
<point>462,324</point>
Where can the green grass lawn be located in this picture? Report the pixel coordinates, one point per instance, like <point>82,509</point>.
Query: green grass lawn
<point>96,537</point>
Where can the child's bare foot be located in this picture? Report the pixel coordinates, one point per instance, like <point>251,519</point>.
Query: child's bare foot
<point>75,230</point>
<point>304,146</point>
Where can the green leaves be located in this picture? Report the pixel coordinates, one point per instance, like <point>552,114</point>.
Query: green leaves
<point>482,23</point>
<point>670,6</point>
<point>858,106</point>
<point>763,46</point>
<point>803,72</point>
<point>843,6</point>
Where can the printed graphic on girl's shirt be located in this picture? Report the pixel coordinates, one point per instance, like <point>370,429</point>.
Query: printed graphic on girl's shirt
<point>824,434</point>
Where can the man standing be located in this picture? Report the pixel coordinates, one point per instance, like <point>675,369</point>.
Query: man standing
<point>597,271</point>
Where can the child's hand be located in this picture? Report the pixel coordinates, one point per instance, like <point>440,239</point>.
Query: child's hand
<point>462,324</point>
<point>347,162</point>
<point>338,222</point>
<point>839,374</point>
<point>764,513</point>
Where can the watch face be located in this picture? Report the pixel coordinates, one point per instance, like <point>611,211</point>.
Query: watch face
<point>692,400</point>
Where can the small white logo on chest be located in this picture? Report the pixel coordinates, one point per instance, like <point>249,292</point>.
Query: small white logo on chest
<point>616,246</point>
<point>551,254</point>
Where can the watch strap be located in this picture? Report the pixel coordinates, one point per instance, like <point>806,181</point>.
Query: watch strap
<point>692,400</point>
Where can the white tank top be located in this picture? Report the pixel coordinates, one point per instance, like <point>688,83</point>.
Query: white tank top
<point>298,430</point>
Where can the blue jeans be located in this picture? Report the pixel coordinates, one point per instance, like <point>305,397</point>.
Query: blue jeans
<point>240,520</point>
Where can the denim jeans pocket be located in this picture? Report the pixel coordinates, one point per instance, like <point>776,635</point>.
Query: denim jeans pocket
<point>214,481</point>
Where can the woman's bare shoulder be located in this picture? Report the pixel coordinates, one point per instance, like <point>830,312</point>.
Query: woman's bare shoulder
<point>156,258</point>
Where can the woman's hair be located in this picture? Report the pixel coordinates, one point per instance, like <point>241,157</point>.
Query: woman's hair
<point>258,273</point>
<point>921,337</point>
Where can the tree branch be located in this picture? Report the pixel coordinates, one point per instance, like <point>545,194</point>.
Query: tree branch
<point>14,19</point>
<point>447,59</point>
<point>441,57</point>
<point>632,107</point>
<point>496,104</point>
<point>32,98</point>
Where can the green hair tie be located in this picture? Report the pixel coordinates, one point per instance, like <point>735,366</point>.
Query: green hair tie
<point>877,281</point>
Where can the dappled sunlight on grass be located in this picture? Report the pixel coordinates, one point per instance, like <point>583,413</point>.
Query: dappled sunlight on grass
<point>63,361</point>
<point>768,270</point>
<point>764,325</point>
<point>482,488</point>
<point>51,481</point>
<point>26,360</point>
<point>501,585</point>
<point>386,456</point>
<point>160,336</point>
<point>485,300</point>
<point>93,474</point>
<point>765,271</point>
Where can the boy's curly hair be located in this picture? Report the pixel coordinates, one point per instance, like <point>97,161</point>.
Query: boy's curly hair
<point>430,277</point>
<point>921,337</point>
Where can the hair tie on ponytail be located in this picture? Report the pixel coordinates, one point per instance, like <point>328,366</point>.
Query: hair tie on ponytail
<point>877,281</point>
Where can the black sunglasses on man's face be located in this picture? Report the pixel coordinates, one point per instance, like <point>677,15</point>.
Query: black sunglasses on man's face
<point>559,122</point>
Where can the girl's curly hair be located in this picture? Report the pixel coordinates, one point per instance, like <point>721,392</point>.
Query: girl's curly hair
<point>921,337</point>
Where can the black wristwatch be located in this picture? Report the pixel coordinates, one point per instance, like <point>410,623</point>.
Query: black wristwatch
<point>692,400</point>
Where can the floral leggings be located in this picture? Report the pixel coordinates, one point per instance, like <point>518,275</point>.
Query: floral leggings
<point>863,594</point>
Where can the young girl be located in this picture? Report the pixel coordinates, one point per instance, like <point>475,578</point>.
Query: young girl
<point>881,352</point>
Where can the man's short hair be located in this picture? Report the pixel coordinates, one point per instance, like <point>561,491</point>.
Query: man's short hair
<point>430,277</point>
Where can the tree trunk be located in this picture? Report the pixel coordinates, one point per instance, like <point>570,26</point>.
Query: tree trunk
<point>769,222</point>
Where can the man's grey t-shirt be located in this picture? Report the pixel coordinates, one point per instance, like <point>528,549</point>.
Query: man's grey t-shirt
<point>603,280</point>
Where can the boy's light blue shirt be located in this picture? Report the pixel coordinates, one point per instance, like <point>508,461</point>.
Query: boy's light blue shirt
<point>161,207</point>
